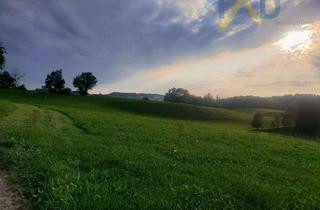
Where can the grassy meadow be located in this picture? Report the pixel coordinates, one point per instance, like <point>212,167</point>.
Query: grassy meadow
<point>71,152</point>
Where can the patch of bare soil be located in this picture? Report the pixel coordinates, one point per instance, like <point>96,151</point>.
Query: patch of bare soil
<point>10,196</point>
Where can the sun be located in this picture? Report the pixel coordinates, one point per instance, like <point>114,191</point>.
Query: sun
<point>296,42</point>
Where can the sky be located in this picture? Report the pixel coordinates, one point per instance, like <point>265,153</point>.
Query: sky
<point>151,46</point>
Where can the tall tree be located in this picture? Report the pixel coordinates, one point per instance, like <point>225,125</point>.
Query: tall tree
<point>208,100</point>
<point>257,121</point>
<point>17,77</point>
<point>85,82</point>
<point>178,95</point>
<point>6,80</point>
<point>54,82</point>
<point>2,57</point>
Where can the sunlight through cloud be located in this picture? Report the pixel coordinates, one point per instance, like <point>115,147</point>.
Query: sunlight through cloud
<point>296,42</point>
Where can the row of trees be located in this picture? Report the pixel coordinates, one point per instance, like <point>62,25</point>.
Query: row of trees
<point>280,120</point>
<point>180,95</point>
<point>287,102</point>
<point>303,111</point>
<point>55,83</point>
<point>305,118</point>
<point>8,80</point>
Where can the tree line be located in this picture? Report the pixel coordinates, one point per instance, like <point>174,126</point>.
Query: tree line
<point>287,102</point>
<point>180,95</point>
<point>8,80</point>
<point>305,118</point>
<point>302,112</point>
<point>280,120</point>
<point>54,82</point>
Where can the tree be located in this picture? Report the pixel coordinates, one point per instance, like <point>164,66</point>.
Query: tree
<point>54,82</point>
<point>257,121</point>
<point>85,82</point>
<point>21,87</point>
<point>308,117</point>
<point>6,80</point>
<point>17,76</point>
<point>178,95</point>
<point>218,100</point>
<point>2,57</point>
<point>277,121</point>
<point>208,100</point>
<point>287,120</point>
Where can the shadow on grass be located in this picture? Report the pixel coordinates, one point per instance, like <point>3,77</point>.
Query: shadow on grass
<point>7,144</point>
<point>291,131</point>
<point>176,110</point>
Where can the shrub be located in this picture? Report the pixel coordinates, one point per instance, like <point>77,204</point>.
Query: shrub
<point>257,121</point>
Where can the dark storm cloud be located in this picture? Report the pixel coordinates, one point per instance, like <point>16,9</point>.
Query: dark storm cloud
<point>111,38</point>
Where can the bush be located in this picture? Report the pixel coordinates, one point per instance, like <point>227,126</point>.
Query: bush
<point>257,121</point>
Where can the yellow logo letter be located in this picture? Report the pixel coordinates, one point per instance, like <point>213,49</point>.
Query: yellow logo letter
<point>234,10</point>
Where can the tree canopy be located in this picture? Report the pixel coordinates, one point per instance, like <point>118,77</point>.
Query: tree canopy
<point>54,82</point>
<point>6,80</point>
<point>178,95</point>
<point>85,82</point>
<point>257,121</point>
<point>2,57</point>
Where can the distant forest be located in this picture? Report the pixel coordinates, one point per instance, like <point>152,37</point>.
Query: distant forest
<point>275,102</point>
<point>287,102</point>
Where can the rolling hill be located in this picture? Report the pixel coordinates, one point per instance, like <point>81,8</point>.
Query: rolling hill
<point>71,152</point>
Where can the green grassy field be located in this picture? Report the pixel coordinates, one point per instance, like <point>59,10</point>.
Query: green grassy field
<point>108,153</point>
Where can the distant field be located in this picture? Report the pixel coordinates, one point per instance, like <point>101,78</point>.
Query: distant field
<point>258,110</point>
<point>110,153</point>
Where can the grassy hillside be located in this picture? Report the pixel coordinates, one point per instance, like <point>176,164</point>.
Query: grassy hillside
<point>108,153</point>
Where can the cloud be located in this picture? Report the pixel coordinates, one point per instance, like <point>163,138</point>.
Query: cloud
<point>122,41</point>
<point>263,70</point>
<point>116,40</point>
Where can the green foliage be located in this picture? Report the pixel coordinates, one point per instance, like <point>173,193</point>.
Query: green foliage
<point>257,121</point>
<point>6,80</point>
<point>2,57</point>
<point>85,82</point>
<point>54,82</point>
<point>178,95</point>
<point>108,153</point>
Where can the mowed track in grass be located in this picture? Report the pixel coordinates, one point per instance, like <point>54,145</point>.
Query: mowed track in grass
<point>107,153</point>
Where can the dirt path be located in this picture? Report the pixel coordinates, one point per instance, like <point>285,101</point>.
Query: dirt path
<point>10,197</point>
<point>26,116</point>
